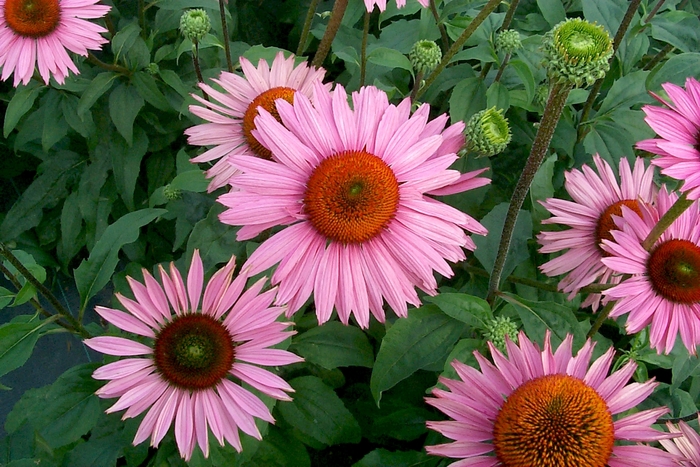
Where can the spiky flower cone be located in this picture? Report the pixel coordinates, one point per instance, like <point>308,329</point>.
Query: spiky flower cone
<point>488,133</point>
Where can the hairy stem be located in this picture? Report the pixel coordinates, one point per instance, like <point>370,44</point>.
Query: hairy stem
<point>224,31</point>
<point>197,69</point>
<point>445,40</point>
<point>416,85</point>
<point>666,220</point>
<point>552,112</point>
<point>653,11</point>
<point>307,26</point>
<point>509,15</point>
<point>324,46</point>
<point>658,57</point>
<point>363,52</point>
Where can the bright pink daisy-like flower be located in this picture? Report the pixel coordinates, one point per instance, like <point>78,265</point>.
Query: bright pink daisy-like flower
<point>546,409</point>
<point>686,447</point>
<point>597,197</point>
<point>664,289</point>
<point>185,375</point>
<point>369,4</point>
<point>38,33</point>
<point>679,129</point>
<point>232,120</point>
<point>352,182</point>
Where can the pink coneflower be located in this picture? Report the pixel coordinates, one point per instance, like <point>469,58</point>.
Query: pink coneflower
<point>664,289</point>
<point>38,32</point>
<point>543,409</point>
<point>597,197</point>
<point>686,446</point>
<point>369,4</point>
<point>679,129</point>
<point>352,184</point>
<point>185,375</point>
<point>231,121</point>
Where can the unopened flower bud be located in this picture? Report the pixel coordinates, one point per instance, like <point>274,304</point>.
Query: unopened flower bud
<point>152,68</point>
<point>425,56</point>
<point>170,193</point>
<point>508,41</point>
<point>497,330</point>
<point>195,24</point>
<point>488,133</point>
<point>577,52</point>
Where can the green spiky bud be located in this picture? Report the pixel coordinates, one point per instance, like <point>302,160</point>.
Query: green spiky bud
<point>577,52</point>
<point>170,193</point>
<point>152,68</point>
<point>195,24</point>
<point>541,95</point>
<point>488,132</point>
<point>497,329</point>
<point>508,41</point>
<point>425,56</point>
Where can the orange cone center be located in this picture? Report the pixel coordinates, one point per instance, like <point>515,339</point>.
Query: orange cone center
<point>32,18</point>
<point>266,100</point>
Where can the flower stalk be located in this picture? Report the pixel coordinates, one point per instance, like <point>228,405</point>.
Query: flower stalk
<point>307,26</point>
<point>224,31</point>
<point>602,316</point>
<point>678,208</point>
<point>324,46</point>
<point>363,52</point>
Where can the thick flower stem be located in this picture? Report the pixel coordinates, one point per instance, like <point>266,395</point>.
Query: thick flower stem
<point>459,43</point>
<point>416,85</point>
<point>197,69</point>
<point>445,44</point>
<point>307,26</point>
<point>595,89</point>
<point>666,220</point>
<point>509,15</point>
<point>552,112</point>
<point>224,31</point>
<point>324,46</point>
<point>602,316</point>
<point>363,52</point>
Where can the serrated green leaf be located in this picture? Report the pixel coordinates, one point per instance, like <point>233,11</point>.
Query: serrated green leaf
<point>468,309</point>
<point>99,85</point>
<point>125,102</point>
<point>334,345</point>
<point>412,343</point>
<point>17,342</point>
<point>21,102</point>
<point>318,412</point>
<point>94,273</point>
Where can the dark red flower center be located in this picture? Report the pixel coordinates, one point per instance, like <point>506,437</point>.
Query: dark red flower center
<point>32,18</point>
<point>606,223</point>
<point>266,100</point>
<point>554,421</point>
<point>674,271</point>
<point>351,196</point>
<point>194,351</point>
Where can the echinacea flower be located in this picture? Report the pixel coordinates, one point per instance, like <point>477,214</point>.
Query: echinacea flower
<point>38,33</point>
<point>597,197</point>
<point>369,4</point>
<point>546,409</point>
<point>190,374</point>
<point>231,119</point>
<point>679,129</point>
<point>350,186</point>
<point>686,447</point>
<point>664,287</point>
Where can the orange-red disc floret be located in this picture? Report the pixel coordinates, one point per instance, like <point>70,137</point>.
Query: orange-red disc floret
<point>32,18</point>
<point>193,351</point>
<point>606,223</point>
<point>351,196</point>
<point>674,271</point>
<point>266,100</point>
<point>554,421</point>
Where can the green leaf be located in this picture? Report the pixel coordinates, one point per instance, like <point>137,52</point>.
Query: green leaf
<point>125,102</point>
<point>412,343</point>
<point>487,247</point>
<point>552,10</point>
<point>468,97</point>
<point>6,297</point>
<point>95,272</point>
<point>147,87</point>
<point>604,12</point>
<point>84,125</point>
<point>99,85</point>
<point>675,70</point>
<point>192,180</point>
<point>626,92</point>
<point>334,345</point>
<point>21,102</point>
<point>389,58</point>
<point>124,39</point>
<point>216,241</point>
<point>497,96</point>
<point>279,449</point>
<point>468,309</point>
<point>71,226</point>
<point>318,412</point>
<point>615,136</point>
<point>384,458</point>
<point>17,342</point>
<point>126,162</point>
<point>44,192</point>
<point>542,188</point>
<point>677,28</point>
<point>526,76</point>
<point>55,125</point>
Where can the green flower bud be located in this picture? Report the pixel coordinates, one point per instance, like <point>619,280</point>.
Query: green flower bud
<point>195,24</point>
<point>488,132</point>
<point>541,95</point>
<point>508,41</point>
<point>497,330</point>
<point>577,52</point>
<point>170,193</point>
<point>425,56</point>
<point>152,68</point>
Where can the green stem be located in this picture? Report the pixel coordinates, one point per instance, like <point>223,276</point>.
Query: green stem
<point>459,43</point>
<point>363,52</point>
<point>324,46</point>
<point>602,316</point>
<point>502,68</point>
<point>116,68</point>
<point>15,282</point>
<point>552,112</point>
<point>666,220</point>
<point>224,31</point>
<point>197,69</point>
<point>307,26</point>
<point>445,44</point>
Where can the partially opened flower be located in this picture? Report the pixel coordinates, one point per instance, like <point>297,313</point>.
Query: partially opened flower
<point>381,4</point>
<point>40,32</point>
<point>686,447</point>
<point>597,198</point>
<point>350,184</point>
<point>199,351</point>
<point>664,287</point>
<point>539,408</point>
<point>231,118</point>
<point>679,129</point>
